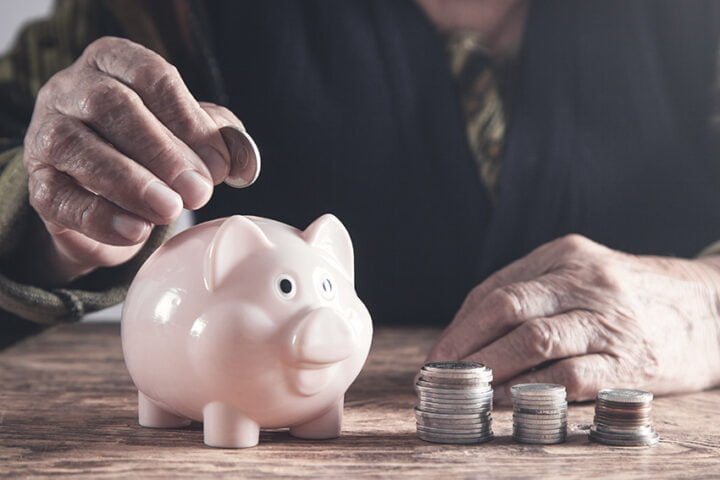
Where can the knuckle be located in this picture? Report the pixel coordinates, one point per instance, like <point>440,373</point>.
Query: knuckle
<point>74,210</point>
<point>85,212</point>
<point>59,143</point>
<point>153,72</point>
<point>606,277</point>
<point>106,102</point>
<point>509,299</point>
<point>539,338</point>
<point>60,203</point>
<point>575,243</point>
<point>41,191</point>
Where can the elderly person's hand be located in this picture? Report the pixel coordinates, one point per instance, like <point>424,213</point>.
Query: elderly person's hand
<point>577,313</point>
<point>117,144</point>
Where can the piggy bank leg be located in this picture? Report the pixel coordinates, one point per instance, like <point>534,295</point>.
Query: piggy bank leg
<point>328,425</point>
<point>225,427</point>
<point>150,415</point>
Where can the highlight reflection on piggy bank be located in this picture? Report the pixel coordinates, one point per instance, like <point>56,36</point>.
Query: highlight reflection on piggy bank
<point>246,323</point>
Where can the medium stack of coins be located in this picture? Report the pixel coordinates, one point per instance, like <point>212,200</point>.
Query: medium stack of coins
<point>623,417</point>
<point>539,413</point>
<point>454,403</point>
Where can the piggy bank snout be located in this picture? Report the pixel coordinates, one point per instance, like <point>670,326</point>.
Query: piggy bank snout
<point>323,337</point>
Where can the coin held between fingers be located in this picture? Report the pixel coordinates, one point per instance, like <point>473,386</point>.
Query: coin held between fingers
<point>244,157</point>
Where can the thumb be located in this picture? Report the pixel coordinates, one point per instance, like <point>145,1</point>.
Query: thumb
<point>244,154</point>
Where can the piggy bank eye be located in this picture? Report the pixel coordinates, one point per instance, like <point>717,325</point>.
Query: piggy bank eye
<point>286,286</point>
<point>326,289</point>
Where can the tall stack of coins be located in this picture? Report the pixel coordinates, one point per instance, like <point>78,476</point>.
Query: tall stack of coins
<point>454,403</point>
<point>539,413</point>
<point>623,417</point>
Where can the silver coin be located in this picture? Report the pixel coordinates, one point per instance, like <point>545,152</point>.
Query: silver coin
<point>448,430</point>
<point>540,415</point>
<point>453,411</point>
<point>456,367</point>
<point>622,428</point>
<point>540,435</point>
<point>540,425</point>
<point>454,435</point>
<point>537,389</point>
<point>540,428</point>
<point>623,395</point>
<point>456,384</point>
<point>544,414</point>
<point>539,438</point>
<point>454,380</point>
<point>644,440</point>
<point>532,430</point>
<point>455,370</point>
<point>626,422</point>
<point>441,437</point>
<point>487,396</point>
<point>456,440</point>
<point>457,394</point>
<point>623,435</point>
<point>644,430</point>
<point>540,407</point>
<point>448,416</point>
<point>456,401</point>
<point>482,405</point>
<point>612,412</point>
<point>450,392</point>
<point>426,407</point>
<point>539,401</point>
<point>540,441</point>
<point>625,410</point>
<point>245,161</point>
<point>540,412</point>
<point>453,424</point>
<point>539,418</point>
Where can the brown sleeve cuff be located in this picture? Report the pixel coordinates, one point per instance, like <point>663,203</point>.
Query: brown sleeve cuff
<point>102,288</point>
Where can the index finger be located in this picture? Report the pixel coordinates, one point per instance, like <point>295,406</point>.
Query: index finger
<point>164,93</point>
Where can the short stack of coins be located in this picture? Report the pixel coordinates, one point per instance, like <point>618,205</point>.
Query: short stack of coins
<point>454,403</point>
<point>623,417</point>
<point>539,413</point>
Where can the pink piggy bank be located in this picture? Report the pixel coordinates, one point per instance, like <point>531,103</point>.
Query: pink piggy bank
<point>246,323</point>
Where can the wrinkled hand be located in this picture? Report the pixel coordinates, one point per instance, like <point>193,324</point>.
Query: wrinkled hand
<point>116,145</point>
<point>577,313</point>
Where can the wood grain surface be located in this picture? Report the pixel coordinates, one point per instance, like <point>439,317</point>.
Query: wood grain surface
<point>68,407</point>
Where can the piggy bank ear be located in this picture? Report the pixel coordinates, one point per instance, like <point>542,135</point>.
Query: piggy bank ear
<point>329,235</point>
<point>236,239</point>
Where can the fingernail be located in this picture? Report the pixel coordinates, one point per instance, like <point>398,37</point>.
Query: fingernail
<point>130,228</point>
<point>163,200</point>
<point>194,188</point>
<point>215,162</point>
<point>244,156</point>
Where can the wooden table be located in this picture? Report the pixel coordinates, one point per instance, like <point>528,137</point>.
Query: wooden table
<point>68,407</point>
